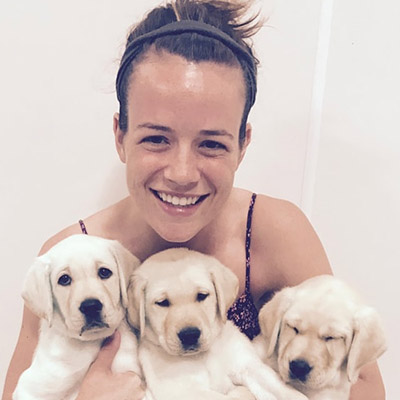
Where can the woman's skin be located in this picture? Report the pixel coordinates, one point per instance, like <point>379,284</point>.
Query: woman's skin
<point>182,141</point>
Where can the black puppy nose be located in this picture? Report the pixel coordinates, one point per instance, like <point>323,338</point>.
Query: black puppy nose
<point>91,307</point>
<point>189,337</point>
<point>299,369</point>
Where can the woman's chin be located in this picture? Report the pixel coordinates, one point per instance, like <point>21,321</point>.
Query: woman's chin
<point>177,233</point>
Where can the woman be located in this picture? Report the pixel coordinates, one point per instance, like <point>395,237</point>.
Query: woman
<point>185,90</point>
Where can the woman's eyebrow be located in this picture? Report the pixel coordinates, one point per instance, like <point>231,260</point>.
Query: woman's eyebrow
<point>155,127</point>
<point>206,132</point>
<point>216,132</point>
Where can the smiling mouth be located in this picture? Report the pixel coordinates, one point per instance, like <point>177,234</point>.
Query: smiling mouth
<point>181,201</point>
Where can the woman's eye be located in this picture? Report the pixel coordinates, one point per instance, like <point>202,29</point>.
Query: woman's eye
<point>104,273</point>
<point>64,280</point>
<point>163,303</point>
<point>213,145</point>
<point>155,139</point>
<point>202,296</point>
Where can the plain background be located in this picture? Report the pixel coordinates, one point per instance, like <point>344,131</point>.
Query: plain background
<point>326,134</point>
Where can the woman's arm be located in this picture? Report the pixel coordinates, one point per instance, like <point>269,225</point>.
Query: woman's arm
<point>369,385</point>
<point>294,252</point>
<point>29,333</point>
<point>23,353</point>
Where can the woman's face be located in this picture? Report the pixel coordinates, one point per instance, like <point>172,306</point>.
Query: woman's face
<point>181,148</point>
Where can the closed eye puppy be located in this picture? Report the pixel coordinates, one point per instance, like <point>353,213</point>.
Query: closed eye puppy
<point>78,288</point>
<point>178,299</point>
<point>318,335</point>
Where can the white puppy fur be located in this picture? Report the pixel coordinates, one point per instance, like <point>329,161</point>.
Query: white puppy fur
<point>178,299</point>
<point>78,288</point>
<point>318,335</point>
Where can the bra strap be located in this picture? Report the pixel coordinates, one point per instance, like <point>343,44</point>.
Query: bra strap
<point>83,227</point>
<point>248,240</point>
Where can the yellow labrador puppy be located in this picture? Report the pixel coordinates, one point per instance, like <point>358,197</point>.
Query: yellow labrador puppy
<point>318,335</point>
<point>178,299</point>
<point>78,288</point>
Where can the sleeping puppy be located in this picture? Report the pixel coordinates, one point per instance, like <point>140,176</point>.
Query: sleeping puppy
<point>318,335</point>
<point>178,299</point>
<point>78,289</point>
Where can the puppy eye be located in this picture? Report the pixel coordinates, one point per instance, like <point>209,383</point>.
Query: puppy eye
<point>104,273</point>
<point>163,303</point>
<point>295,330</point>
<point>328,338</point>
<point>202,296</point>
<point>64,280</point>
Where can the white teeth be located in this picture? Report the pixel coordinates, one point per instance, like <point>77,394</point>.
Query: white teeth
<point>178,201</point>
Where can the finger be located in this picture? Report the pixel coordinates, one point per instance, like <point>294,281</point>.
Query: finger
<point>107,352</point>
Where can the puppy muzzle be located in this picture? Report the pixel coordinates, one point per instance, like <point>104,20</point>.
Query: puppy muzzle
<point>91,309</point>
<point>299,369</point>
<point>189,338</point>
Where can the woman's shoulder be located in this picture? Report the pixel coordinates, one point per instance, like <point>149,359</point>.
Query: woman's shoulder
<point>58,237</point>
<point>285,243</point>
<point>95,224</point>
<point>278,213</point>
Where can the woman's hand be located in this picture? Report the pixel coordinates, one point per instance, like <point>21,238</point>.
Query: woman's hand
<point>101,383</point>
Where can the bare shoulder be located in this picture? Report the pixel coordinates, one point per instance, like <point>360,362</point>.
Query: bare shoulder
<point>98,224</point>
<point>285,247</point>
<point>69,231</point>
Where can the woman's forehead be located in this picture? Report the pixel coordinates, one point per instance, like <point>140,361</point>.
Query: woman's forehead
<point>166,71</point>
<point>164,84</point>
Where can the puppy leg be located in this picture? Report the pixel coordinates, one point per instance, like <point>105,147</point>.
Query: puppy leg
<point>126,358</point>
<point>241,393</point>
<point>262,380</point>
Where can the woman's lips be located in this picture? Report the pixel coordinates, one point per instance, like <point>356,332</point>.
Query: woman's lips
<point>177,204</point>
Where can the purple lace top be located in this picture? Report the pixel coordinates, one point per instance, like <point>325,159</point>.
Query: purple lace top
<point>243,311</point>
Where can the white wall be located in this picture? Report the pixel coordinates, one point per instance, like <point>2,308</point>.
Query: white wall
<point>325,133</point>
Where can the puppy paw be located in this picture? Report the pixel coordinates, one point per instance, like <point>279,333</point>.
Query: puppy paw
<point>293,394</point>
<point>241,393</point>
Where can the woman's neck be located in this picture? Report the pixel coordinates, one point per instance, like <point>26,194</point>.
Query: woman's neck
<point>140,238</point>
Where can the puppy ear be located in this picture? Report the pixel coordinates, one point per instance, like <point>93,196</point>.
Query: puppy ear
<point>226,286</point>
<point>126,263</point>
<point>36,291</point>
<point>271,315</point>
<point>368,341</point>
<point>136,302</point>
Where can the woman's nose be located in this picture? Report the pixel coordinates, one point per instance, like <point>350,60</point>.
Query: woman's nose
<point>182,168</point>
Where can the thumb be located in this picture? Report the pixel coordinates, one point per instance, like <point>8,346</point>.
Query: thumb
<point>107,352</point>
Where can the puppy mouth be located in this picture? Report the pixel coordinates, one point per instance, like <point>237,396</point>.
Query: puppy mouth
<point>94,326</point>
<point>179,201</point>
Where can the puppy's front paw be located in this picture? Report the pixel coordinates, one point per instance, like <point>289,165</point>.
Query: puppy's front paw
<point>241,393</point>
<point>293,394</point>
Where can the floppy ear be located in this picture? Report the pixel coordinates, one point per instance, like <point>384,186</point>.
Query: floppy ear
<point>368,341</point>
<point>126,263</point>
<point>136,302</point>
<point>271,315</point>
<point>226,286</point>
<point>36,291</point>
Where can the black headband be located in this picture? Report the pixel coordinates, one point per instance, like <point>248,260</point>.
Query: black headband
<point>174,28</point>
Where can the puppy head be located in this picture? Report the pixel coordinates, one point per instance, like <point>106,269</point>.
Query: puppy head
<point>79,286</point>
<point>178,299</point>
<point>312,333</point>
